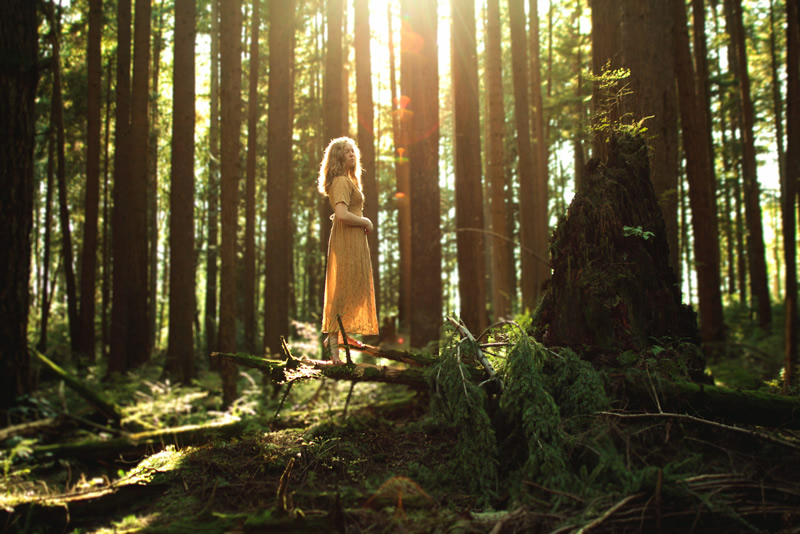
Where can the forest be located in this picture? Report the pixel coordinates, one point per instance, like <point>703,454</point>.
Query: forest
<point>584,263</point>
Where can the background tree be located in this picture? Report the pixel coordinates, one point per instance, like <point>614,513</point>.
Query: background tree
<point>469,193</point>
<point>180,350</point>
<point>366,135</point>
<point>18,81</point>
<point>502,255</point>
<point>231,114</point>
<point>790,186</point>
<point>420,81</point>
<point>525,167</point>
<point>702,190</point>
<point>86,329</point>
<point>752,203</point>
<point>212,188</point>
<point>279,172</point>
<point>606,50</point>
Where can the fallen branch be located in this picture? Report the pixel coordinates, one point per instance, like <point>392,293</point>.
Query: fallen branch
<point>106,408</point>
<point>481,356</point>
<point>141,443</point>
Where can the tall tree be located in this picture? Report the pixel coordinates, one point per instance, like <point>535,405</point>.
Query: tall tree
<point>702,184</point>
<point>279,164</point>
<point>212,254</point>
<point>502,256</point>
<point>752,205</point>
<point>525,168</point>
<point>180,348</point>
<point>541,231</point>
<point>366,135</point>
<point>400,125</point>
<point>231,114</point>
<point>606,51</point>
<point>420,80</point>
<point>652,82</point>
<point>250,185</point>
<point>469,194</point>
<point>86,331</point>
<point>18,80</point>
<point>44,307</point>
<point>61,176</point>
<point>332,114</point>
<point>790,185</point>
<point>152,184</point>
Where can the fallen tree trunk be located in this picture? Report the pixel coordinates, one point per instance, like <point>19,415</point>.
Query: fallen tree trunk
<point>105,407</point>
<point>140,443</point>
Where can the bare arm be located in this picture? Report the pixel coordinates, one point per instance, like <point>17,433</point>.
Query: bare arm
<point>352,219</point>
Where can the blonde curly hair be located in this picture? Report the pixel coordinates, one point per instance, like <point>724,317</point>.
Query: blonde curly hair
<point>334,164</point>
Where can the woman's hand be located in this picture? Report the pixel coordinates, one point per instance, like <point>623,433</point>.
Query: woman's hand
<point>367,225</point>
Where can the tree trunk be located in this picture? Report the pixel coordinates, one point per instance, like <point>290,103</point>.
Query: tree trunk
<point>525,168</point>
<point>469,194</point>
<point>210,320</point>
<point>105,286</point>
<point>702,185</point>
<point>400,125</point>
<point>250,185</point>
<point>152,187</point>
<point>652,81</point>
<point>755,241</point>
<point>541,232</point>
<point>61,176</point>
<point>48,217</point>
<point>420,78</point>
<point>231,114</point>
<point>279,164</point>
<point>86,331</point>
<point>606,50</point>
<point>502,255</point>
<point>18,80</point>
<point>790,186</point>
<point>366,137</point>
<point>180,345</point>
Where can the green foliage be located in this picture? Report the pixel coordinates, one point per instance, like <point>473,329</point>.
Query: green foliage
<point>461,405</point>
<point>637,231</point>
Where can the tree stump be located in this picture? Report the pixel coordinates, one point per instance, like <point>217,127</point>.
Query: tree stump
<point>612,288</point>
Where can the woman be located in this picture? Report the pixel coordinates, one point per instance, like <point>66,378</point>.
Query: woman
<point>349,293</point>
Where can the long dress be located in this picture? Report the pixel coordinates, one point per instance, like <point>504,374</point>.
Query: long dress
<point>349,291</point>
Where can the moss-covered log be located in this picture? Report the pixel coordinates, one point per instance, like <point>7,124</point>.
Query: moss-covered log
<point>106,408</point>
<point>141,442</point>
<point>612,288</point>
<point>292,369</point>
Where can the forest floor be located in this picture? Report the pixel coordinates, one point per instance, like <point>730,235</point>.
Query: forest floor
<point>376,459</point>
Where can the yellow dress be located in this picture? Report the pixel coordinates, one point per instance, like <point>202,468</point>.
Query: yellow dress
<point>349,291</point>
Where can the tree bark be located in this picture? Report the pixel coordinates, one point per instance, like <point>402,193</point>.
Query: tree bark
<point>86,330</point>
<point>420,79</point>
<point>180,347</point>
<point>541,232</point>
<point>61,177</point>
<point>467,147</point>
<point>18,80</point>
<point>502,255</point>
<point>652,81</point>
<point>253,110</point>
<point>525,168</point>
<point>44,306</point>
<point>366,137</point>
<point>210,319</point>
<point>790,187</point>
<point>279,164</point>
<point>755,242</point>
<point>606,50</point>
<point>231,114</point>
<point>702,185</point>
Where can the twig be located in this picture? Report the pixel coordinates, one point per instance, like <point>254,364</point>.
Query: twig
<point>284,505</point>
<point>694,419</point>
<point>610,512</point>
<point>481,356</point>
<point>283,399</point>
<point>344,337</point>
<point>554,491</point>
<point>347,402</point>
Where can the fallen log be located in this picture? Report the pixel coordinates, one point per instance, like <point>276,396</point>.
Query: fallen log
<point>282,371</point>
<point>140,443</point>
<point>105,407</point>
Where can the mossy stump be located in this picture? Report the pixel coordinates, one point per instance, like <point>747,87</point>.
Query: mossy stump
<point>612,288</point>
